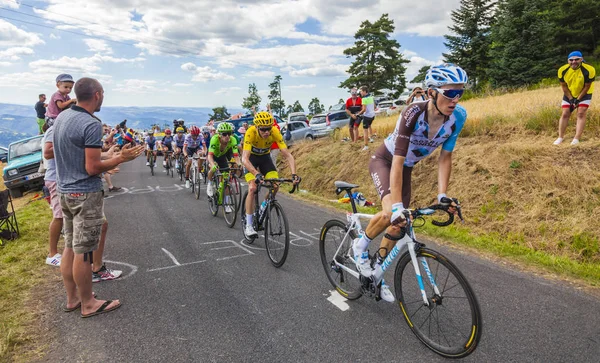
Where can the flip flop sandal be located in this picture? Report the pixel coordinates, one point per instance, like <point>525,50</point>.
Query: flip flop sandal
<point>102,309</point>
<point>68,310</point>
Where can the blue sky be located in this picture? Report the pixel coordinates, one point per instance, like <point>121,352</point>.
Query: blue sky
<point>201,54</point>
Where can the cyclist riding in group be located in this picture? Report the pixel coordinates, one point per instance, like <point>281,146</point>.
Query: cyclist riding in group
<point>257,160</point>
<point>223,147</point>
<point>167,146</point>
<point>421,128</point>
<point>180,123</point>
<point>193,144</point>
<point>150,142</point>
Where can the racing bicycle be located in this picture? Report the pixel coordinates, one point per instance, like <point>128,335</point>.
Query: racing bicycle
<point>435,298</point>
<point>271,216</point>
<point>224,195</point>
<point>169,162</point>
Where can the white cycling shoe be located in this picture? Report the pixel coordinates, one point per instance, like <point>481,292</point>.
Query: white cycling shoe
<point>361,259</point>
<point>385,293</point>
<point>187,183</point>
<point>250,232</point>
<point>228,209</point>
<point>210,190</point>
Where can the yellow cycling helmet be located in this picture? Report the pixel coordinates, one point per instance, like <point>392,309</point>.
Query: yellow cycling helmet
<point>263,119</point>
<point>179,129</point>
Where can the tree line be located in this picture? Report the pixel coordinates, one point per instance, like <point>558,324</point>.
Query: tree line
<point>499,43</point>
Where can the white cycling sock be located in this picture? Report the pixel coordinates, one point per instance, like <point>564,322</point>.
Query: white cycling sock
<point>362,244</point>
<point>249,219</point>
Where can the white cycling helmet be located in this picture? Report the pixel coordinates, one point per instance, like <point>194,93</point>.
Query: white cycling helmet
<point>444,74</point>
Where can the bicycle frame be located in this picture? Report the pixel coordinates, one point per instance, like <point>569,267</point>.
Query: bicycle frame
<point>407,241</point>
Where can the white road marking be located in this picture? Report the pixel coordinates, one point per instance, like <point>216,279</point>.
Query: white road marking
<point>296,239</point>
<point>311,235</point>
<point>181,265</point>
<point>338,300</point>
<point>234,244</point>
<point>132,267</point>
<point>171,256</point>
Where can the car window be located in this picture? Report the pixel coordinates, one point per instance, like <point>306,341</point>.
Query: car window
<point>386,104</point>
<point>317,120</point>
<point>300,125</point>
<point>26,148</point>
<point>298,118</point>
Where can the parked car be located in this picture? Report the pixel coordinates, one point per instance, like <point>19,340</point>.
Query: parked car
<point>388,108</point>
<point>22,171</point>
<point>237,123</point>
<point>325,124</point>
<point>3,154</point>
<point>403,98</point>
<point>338,107</point>
<point>298,116</point>
<point>299,131</point>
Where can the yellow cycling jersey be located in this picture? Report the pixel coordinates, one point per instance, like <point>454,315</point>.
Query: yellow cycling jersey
<point>262,146</point>
<point>576,79</point>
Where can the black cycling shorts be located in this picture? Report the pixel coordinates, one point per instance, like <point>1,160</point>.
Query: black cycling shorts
<point>263,163</point>
<point>367,121</point>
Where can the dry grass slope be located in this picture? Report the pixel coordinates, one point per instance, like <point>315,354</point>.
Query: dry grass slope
<point>515,186</point>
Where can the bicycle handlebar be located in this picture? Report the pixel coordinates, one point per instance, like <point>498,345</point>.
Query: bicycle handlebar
<point>271,181</point>
<point>444,206</point>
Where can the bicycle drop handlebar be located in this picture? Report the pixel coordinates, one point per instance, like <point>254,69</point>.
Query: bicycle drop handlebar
<point>268,183</point>
<point>445,205</point>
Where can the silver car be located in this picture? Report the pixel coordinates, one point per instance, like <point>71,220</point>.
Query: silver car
<point>299,130</point>
<point>325,124</point>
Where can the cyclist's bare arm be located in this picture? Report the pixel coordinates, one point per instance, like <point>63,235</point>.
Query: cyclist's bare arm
<point>444,170</point>
<point>247,164</point>
<point>566,90</point>
<point>584,91</point>
<point>396,174</point>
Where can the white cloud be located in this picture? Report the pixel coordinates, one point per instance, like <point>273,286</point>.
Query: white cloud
<point>83,65</point>
<point>11,36</point>
<point>5,64</point>
<point>332,70</point>
<point>137,86</point>
<point>259,74</point>
<point>98,46</point>
<point>301,86</point>
<point>54,36</point>
<point>227,90</point>
<point>205,74</point>
<point>182,85</point>
<point>15,53</point>
<point>9,3</point>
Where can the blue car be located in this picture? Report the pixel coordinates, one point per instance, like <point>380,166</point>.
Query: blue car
<point>22,171</point>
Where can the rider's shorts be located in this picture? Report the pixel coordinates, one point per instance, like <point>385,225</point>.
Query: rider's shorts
<point>151,147</point>
<point>264,164</point>
<point>169,147</point>
<point>585,102</point>
<point>367,121</point>
<point>192,150</point>
<point>223,160</point>
<point>380,167</point>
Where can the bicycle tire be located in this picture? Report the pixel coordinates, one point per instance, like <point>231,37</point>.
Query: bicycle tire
<point>213,202</point>
<point>229,201</point>
<point>197,185</point>
<point>276,224</point>
<point>243,218</point>
<point>332,235</point>
<point>236,187</point>
<point>180,170</point>
<point>459,309</point>
<point>151,163</point>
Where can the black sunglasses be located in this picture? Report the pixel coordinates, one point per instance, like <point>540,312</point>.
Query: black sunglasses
<point>264,129</point>
<point>225,133</point>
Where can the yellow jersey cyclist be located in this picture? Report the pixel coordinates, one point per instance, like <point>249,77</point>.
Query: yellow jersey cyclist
<point>222,147</point>
<point>421,128</point>
<point>257,160</point>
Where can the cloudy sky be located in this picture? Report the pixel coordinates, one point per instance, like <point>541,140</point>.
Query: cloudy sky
<point>202,53</point>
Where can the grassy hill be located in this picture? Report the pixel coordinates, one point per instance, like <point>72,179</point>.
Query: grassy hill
<point>522,196</point>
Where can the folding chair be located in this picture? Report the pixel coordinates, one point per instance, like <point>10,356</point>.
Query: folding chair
<point>9,228</point>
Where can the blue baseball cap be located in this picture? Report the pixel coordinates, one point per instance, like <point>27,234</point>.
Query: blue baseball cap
<point>575,54</point>
<point>64,78</point>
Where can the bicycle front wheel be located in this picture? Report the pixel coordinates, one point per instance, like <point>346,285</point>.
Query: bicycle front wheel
<point>213,202</point>
<point>229,211</point>
<point>236,191</point>
<point>333,235</point>
<point>451,324</point>
<point>197,184</point>
<point>277,234</point>
<point>151,164</point>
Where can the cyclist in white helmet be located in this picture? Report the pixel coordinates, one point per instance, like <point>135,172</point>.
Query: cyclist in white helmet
<point>421,128</point>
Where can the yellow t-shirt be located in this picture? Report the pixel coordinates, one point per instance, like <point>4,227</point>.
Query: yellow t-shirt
<point>260,146</point>
<point>576,79</point>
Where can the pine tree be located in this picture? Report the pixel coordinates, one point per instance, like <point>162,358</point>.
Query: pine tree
<point>420,78</point>
<point>577,24</point>
<point>277,103</point>
<point>378,63</point>
<point>523,51</point>
<point>469,46</point>
<point>219,114</point>
<point>253,99</point>
<point>315,106</point>
<point>297,107</point>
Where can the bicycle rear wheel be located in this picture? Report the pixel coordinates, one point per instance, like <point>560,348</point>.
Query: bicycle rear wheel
<point>236,191</point>
<point>229,205</point>
<point>213,202</point>
<point>151,163</point>
<point>197,184</point>
<point>333,234</point>
<point>451,324</point>
<point>277,234</point>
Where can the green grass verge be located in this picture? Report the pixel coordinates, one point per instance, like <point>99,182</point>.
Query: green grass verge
<point>494,244</point>
<point>22,268</point>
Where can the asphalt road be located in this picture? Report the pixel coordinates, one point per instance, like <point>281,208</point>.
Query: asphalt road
<point>192,291</point>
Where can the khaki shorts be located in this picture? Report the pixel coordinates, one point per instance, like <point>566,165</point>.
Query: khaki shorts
<point>54,199</point>
<point>83,216</point>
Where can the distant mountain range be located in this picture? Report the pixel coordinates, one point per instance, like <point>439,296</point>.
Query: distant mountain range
<point>19,121</point>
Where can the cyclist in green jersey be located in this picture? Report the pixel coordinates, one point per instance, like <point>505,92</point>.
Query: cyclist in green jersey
<point>223,146</point>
